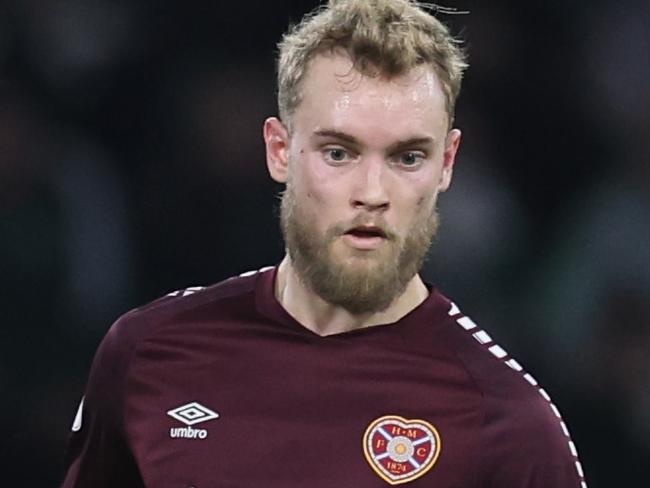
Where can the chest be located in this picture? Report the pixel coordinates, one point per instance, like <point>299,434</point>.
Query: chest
<point>253,411</point>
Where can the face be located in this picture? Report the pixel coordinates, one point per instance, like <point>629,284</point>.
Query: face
<point>364,164</point>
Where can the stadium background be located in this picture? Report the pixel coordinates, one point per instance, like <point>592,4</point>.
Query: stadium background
<point>131,164</point>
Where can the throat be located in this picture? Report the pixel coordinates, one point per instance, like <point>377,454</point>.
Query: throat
<point>324,319</point>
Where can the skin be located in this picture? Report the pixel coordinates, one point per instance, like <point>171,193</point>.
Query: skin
<point>360,147</point>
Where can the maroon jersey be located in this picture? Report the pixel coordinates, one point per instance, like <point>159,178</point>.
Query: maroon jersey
<point>221,388</point>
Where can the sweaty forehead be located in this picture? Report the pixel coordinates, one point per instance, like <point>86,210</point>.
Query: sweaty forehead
<point>334,91</point>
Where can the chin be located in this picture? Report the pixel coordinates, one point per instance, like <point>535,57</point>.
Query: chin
<point>369,262</point>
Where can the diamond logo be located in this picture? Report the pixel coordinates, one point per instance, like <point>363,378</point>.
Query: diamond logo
<point>193,413</point>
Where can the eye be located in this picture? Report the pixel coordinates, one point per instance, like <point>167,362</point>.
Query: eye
<point>336,155</point>
<point>411,159</point>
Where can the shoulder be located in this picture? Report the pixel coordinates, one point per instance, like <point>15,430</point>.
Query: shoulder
<point>99,452</point>
<point>500,377</point>
<point>175,310</point>
<point>523,432</point>
<point>169,310</point>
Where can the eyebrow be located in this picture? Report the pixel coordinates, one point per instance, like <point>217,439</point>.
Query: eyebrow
<point>413,141</point>
<point>337,135</point>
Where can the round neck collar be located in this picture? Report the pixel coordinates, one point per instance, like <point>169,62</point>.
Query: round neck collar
<point>433,307</point>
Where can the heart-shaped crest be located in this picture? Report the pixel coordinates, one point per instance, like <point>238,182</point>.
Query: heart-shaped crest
<point>400,450</point>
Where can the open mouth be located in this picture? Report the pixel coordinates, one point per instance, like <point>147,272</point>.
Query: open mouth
<point>368,231</point>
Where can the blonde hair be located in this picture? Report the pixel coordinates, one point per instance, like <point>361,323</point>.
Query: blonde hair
<point>381,37</point>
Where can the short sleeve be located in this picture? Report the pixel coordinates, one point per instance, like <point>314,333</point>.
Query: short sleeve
<point>98,454</point>
<point>525,446</point>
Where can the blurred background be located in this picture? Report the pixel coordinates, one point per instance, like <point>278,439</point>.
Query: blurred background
<point>132,164</point>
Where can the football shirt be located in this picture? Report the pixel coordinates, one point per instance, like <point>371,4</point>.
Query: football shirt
<point>221,387</point>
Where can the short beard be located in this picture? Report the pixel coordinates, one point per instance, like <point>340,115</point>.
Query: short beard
<point>371,289</point>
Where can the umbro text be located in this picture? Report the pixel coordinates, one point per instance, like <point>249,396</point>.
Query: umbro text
<point>187,433</point>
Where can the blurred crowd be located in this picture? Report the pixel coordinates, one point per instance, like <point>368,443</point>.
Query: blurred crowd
<point>132,164</point>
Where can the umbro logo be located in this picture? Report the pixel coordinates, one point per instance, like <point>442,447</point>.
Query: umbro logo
<point>191,414</point>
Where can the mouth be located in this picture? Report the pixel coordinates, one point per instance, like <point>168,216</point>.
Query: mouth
<point>366,231</point>
<point>365,237</point>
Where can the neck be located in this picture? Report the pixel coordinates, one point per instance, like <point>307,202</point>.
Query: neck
<point>324,318</point>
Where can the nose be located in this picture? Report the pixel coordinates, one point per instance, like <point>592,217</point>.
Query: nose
<point>370,190</point>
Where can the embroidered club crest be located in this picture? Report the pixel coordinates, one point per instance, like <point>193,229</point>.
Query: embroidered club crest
<point>400,450</point>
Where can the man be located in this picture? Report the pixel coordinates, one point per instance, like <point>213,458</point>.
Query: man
<point>339,367</point>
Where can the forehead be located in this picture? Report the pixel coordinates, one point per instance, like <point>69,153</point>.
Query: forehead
<point>337,96</point>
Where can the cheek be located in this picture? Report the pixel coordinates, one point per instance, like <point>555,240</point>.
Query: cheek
<point>318,184</point>
<point>423,206</point>
<point>426,203</point>
<point>417,210</point>
<point>427,189</point>
<point>419,190</point>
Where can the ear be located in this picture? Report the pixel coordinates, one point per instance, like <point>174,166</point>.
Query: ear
<point>449,158</point>
<point>276,139</point>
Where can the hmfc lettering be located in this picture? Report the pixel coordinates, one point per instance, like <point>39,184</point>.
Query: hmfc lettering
<point>410,433</point>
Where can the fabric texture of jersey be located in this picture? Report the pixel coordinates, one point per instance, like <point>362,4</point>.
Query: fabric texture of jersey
<point>221,388</point>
